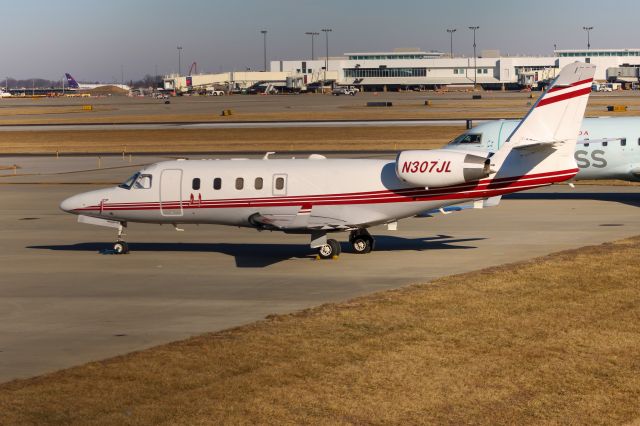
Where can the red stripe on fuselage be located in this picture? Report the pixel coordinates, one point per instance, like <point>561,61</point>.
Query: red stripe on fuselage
<point>311,199</point>
<point>476,190</point>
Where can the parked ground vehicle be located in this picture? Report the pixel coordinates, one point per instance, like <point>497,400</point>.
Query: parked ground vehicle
<point>344,91</point>
<point>602,87</point>
<point>214,92</point>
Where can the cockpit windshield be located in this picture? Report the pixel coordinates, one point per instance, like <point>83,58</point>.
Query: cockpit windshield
<point>137,181</point>
<point>127,184</point>
<point>467,138</point>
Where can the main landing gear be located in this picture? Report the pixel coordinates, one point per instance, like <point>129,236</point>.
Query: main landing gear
<point>121,246</point>
<point>360,239</point>
<point>330,250</point>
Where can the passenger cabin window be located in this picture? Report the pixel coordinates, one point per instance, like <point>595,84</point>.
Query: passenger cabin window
<point>279,183</point>
<point>259,183</point>
<point>623,141</point>
<point>239,183</point>
<point>467,138</point>
<point>143,182</point>
<point>195,184</point>
<point>217,183</point>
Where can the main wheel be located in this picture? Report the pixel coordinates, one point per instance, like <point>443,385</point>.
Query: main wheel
<point>121,247</point>
<point>362,244</point>
<point>329,250</point>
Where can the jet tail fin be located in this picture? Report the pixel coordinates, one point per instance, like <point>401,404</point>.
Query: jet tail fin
<point>71,82</point>
<point>545,140</point>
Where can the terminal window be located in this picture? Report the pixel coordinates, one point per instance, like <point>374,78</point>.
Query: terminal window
<point>384,72</point>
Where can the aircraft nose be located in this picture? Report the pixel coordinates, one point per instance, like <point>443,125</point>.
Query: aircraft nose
<point>72,203</point>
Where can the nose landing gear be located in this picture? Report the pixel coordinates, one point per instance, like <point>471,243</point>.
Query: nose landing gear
<point>120,246</point>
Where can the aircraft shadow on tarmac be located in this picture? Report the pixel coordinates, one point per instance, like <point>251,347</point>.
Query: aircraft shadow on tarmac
<point>262,255</point>
<point>629,198</point>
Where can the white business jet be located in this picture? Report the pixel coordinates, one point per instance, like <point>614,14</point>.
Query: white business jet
<point>319,196</point>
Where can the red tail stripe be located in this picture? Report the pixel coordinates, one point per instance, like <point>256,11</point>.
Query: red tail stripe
<point>564,97</point>
<point>577,83</point>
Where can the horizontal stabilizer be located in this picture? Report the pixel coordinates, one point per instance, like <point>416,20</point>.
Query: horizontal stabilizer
<point>538,146</point>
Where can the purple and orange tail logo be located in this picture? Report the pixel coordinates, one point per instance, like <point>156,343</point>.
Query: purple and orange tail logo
<point>72,83</point>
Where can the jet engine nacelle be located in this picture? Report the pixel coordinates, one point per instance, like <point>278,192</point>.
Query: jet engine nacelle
<point>439,167</point>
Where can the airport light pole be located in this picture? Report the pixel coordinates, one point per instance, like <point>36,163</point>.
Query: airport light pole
<point>264,35</point>
<point>312,34</point>
<point>326,32</point>
<point>588,30</point>
<point>475,68</point>
<point>179,60</point>
<point>451,31</point>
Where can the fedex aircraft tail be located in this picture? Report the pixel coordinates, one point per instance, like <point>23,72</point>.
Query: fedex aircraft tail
<point>71,82</point>
<point>545,140</point>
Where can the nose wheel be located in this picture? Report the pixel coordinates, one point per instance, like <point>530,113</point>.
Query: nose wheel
<point>120,246</point>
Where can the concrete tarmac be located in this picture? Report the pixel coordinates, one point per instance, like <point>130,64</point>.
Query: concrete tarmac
<point>65,301</point>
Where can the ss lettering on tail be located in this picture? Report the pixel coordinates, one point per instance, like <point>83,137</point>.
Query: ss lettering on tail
<point>596,159</point>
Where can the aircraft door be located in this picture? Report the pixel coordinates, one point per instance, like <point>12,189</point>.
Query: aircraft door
<point>171,192</point>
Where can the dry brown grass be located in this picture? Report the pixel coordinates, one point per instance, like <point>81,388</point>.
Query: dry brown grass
<point>206,140</point>
<point>552,340</point>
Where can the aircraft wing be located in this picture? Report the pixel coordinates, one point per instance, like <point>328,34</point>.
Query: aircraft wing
<point>302,220</point>
<point>477,204</point>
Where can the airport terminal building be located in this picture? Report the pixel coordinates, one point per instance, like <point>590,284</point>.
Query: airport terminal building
<point>414,69</point>
<point>399,70</point>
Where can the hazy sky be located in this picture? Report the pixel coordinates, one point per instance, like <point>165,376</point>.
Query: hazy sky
<point>93,39</point>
